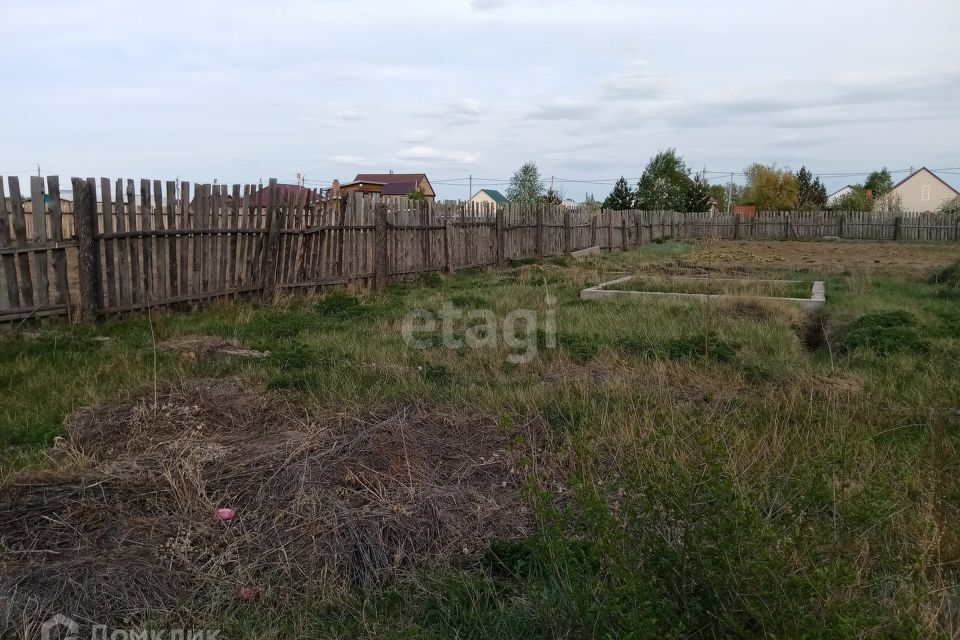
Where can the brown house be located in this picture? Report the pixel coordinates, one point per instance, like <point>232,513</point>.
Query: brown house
<point>391,185</point>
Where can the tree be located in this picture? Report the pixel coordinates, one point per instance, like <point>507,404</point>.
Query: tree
<point>417,195</point>
<point>857,200</point>
<point>698,194</point>
<point>770,188</point>
<point>621,198</point>
<point>552,196</point>
<point>811,194</point>
<point>951,206</point>
<point>664,183</point>
<point>879,182</point>
<point>526,185</point>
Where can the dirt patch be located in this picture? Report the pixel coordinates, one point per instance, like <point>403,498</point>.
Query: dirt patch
<point>132,525</point>
<point>201,347</point>
<point>824,256</point>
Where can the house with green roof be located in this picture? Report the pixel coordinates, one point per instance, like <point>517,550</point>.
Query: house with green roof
<point>488,196</point>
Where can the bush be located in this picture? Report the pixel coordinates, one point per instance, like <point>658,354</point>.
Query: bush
<point>884,332</point>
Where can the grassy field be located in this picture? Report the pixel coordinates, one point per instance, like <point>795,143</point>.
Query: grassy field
<point>731,470</point>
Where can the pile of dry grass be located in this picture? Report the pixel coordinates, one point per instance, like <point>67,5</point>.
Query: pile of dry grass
<point>126,526</point>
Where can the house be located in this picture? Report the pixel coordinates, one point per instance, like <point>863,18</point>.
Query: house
<point>488,196</point>
<point>922,190</point>
<point>570,203</point>
<point>393,186</point>
<point>839,193</point>
<point>261,196</point>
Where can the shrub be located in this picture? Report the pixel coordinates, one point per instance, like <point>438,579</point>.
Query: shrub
<point>884,332</point>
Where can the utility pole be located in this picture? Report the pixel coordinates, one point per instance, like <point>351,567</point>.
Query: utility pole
<point>729,192</point>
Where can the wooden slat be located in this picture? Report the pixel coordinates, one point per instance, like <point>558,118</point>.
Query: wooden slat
<point>159,250</point>
<point>146,242</point>
<point>173,272</point>
<point>234,278</point>
<point>186,241</point>
<point>8,261</point>
<point>108,253</point>
<point>124,293</point>
<point>20,233</point>
<point>136,291</point>
<point>56,232</point>
<point>39,211</point>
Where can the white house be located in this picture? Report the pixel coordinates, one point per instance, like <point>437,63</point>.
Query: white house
<point>922,190</point>
<point>488,196</point>
<point>836,195</point>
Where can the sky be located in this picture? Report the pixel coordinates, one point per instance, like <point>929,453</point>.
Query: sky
<point>242,91</point>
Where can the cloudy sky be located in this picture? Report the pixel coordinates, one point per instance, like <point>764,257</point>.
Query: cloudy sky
<point>589,90</point>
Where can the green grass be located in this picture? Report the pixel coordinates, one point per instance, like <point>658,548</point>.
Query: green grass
<point>733,471</point>
<point>713,286</point>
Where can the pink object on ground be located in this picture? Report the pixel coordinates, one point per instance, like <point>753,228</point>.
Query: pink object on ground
<point>248,593</point>
<point>223,514</point>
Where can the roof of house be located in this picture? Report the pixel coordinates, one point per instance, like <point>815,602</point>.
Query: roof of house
<point>261,197</point>
<point>493,194</point>
<point>395,184</point>
<point>846,186</point>
<point>931,173</point>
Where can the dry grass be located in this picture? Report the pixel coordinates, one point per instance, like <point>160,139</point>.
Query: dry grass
<point>125,528</point>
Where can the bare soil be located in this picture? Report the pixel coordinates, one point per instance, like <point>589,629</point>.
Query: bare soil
<point>823,256</point>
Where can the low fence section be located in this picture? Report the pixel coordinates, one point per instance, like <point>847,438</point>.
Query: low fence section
<point>125,245</point>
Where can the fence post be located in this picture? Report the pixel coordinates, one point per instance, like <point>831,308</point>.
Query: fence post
<point>539,239</point>
<point>841,220</point>
<point>898,228</point>
<point>501,245</point>
<point>566,231</point>
<point>623,231</point>
<point>447,251</point>
<point>271,254</point>
<point>610,229</point>
<point>736,226</point>
<point>88,254</point>
<point>636,219</point>
<point>786,226</point>
<point>380,246</point>
<point>593,229</point>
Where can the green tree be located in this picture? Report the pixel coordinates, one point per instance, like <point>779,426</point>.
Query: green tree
<point>879,182</point>
<point>526,184</point>
<point>857,200</point>
<point>811,194</point>
<point>417,195</point>
<point>664,183</point>
<point>552,196</point>
<point>698,194</point>
<point>719,193</point>
<point>951,206</point>
<point>621,197</point>
<point>770,188</point>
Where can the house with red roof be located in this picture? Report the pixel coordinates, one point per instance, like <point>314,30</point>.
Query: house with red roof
<point>391,185</point>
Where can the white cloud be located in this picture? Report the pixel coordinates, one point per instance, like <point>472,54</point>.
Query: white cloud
<point>431,154</point>
<point>564,109</point>
<point>348,115</point>
<point>637,82</point>
<point>417,136</point>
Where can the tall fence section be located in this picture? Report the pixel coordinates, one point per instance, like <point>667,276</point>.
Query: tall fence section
<point>122,245</point>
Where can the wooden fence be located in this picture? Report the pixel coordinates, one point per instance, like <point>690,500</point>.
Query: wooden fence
<point>132,245</point>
